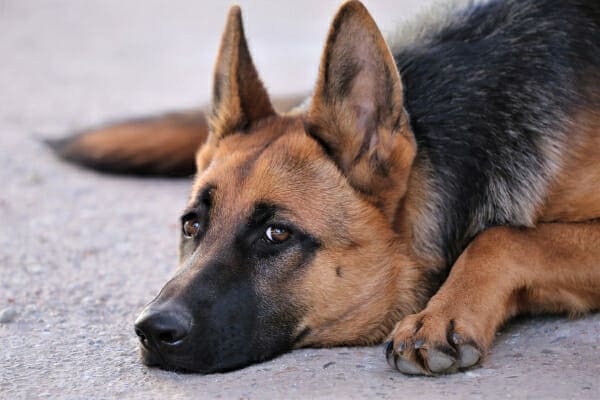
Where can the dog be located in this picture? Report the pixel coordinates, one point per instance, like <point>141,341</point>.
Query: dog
<point>428,191</point>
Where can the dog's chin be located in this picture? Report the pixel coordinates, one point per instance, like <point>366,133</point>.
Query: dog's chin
<point>154,360</point>
<point>150,359</point>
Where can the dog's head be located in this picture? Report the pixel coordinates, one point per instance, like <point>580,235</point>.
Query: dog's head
<point>288,237</point>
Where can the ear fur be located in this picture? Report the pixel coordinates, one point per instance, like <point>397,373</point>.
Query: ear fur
<point>239,97</point>
<point>357,112</point>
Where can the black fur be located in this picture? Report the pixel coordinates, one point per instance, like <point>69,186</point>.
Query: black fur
<point>233,321</point>
<point>489,92</point>
<point>488,96</point>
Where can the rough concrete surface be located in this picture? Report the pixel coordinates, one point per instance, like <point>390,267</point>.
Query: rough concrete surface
<point>81,253</point>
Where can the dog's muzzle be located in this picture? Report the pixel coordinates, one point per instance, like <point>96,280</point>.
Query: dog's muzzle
<point>161,332</point>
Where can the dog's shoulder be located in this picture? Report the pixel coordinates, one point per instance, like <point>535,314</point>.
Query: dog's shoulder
<point>491,88</point>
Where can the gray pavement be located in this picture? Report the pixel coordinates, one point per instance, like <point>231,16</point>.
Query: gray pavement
<point>80,252</point>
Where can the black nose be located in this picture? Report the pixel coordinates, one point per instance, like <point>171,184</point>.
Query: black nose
<point>162,328</point>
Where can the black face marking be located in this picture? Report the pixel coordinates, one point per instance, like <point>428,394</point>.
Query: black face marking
<point>236,296</point>
<point>338,271</point>
<point>263,212</point>
<point>251,236</point>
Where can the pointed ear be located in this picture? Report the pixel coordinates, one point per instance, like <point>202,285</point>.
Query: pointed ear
<point>357,112</point>
<point>239,97</point>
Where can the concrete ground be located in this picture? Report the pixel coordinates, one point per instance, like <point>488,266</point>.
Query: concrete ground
<point>80,252</point>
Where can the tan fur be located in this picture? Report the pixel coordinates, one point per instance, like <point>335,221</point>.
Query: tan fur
<point>176,135</point>
<point>371,270</point>
<point>355,249</point>
<point>166,143</point>
<point>344,172</point>
<point>251,161</point>
<point>575,193</point>
<point>506,271</point>
<point>239,97</point>
<point>359,90</point>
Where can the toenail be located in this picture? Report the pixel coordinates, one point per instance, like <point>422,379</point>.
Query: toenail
<point>456,338</point>
<point>388,347</point>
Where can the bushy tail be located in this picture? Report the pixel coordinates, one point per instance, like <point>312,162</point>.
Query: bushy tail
<point>165,145</point>
<point>157,146</point>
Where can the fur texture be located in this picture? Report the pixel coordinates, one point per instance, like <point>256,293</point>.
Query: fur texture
<point>425,193</point>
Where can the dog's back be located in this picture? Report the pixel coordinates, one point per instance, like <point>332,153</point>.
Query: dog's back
<point>503,99</point>
<point>494,91</point>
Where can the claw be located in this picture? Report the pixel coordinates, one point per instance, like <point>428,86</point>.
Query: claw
<point>391,359</point>
<point>457,339</point>
<point>388,347</point>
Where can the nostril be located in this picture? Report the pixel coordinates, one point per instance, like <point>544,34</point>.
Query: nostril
<point>170,331</point>
<point>170,337</point>
<point>141,335</point>
<point>156,328</point>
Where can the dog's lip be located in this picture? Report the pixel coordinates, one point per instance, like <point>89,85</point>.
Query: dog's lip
<point>150,358</point>
<point>154,359</point>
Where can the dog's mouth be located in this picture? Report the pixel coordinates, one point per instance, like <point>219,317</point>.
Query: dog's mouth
<point>154,359</point>
<point>151,358</point>
<point>188,359</point>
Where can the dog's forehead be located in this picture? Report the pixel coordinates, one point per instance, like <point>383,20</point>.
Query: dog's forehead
<point>282,167</point>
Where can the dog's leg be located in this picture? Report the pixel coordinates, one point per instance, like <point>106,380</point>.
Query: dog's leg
<point>503,272</point>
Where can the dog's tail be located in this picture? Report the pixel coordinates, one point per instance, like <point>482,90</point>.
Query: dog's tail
<point>155,146</point>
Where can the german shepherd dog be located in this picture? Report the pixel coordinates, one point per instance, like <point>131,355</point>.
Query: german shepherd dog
<point>425,193</point>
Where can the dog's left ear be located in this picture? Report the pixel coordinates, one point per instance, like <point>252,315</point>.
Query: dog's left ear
<point>357,112</point>
<point>239,97</point>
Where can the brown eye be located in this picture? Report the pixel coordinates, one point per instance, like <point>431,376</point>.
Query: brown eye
<point>275,234</point>
<point>191,227</point>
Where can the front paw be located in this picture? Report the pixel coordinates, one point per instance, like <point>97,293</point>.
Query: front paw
<point>431,343</point>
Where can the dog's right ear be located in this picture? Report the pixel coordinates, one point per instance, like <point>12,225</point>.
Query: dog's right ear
<point>239,97</point>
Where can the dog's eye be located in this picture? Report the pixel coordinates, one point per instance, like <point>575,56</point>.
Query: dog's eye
<point>191,226</point>
<point>276,234</point>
